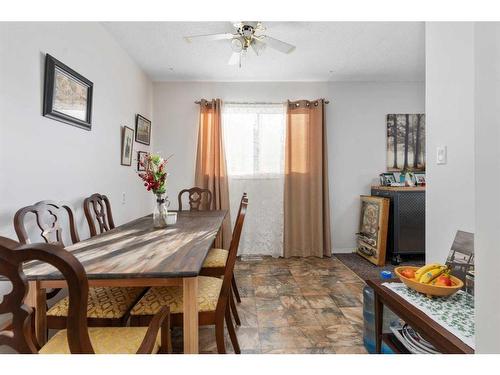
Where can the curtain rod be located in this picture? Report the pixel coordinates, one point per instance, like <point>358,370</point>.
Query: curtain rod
<point>198,102</point>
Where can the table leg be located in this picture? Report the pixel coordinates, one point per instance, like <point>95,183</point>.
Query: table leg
<point>379,319</point>
<point>190,295</point>
<point>36,298</point>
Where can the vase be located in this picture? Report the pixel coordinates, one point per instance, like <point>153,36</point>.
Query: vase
<point>160,212</point>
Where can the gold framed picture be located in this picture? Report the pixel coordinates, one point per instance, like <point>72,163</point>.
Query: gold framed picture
<point>372,235</point>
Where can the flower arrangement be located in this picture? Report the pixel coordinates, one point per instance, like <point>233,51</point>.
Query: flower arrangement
<point>155,175</point>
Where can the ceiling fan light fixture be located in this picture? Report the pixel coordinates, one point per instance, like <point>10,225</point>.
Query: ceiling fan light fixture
<point>236,45</point>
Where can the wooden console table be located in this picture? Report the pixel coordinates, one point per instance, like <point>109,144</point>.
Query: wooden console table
<point>443,340</point>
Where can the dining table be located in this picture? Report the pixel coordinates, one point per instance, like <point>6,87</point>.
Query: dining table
<point>136,254</point>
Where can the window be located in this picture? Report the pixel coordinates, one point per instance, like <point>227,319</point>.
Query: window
<point>254,139</point>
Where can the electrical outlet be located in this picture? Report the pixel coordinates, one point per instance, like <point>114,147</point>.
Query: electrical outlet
<point>441,155</point>
<point>123,198</point>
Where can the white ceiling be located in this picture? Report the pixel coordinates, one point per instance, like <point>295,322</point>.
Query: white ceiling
<point>326,51</point>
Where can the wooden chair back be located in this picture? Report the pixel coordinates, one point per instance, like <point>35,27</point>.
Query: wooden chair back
<point>97,207</point>
<point>199,199</point>
<point>21,337</point>
<point>233,252</point>
<point>48,219</point>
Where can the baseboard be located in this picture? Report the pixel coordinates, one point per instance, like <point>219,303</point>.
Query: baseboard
<point>344,250</point>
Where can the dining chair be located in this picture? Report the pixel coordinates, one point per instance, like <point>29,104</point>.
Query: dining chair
<point>199,199</point>
<point>215,262</point>
<point>213,297</point>
<point>77,338</point>
<point>215,265</point>
<point>106,306</point>
<point>97,207</point>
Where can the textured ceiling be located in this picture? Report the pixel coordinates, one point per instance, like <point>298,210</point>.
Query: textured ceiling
<point>326,51</point>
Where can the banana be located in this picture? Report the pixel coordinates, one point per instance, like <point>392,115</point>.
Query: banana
<point>428,267</point>
<point>430,275</point>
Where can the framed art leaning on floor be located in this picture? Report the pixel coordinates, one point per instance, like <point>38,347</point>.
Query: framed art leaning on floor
<point>372,235</point>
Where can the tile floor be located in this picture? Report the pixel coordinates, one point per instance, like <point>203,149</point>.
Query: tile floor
<point>299,305</point>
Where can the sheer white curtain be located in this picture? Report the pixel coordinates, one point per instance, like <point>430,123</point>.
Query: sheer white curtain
<point>254,136</point>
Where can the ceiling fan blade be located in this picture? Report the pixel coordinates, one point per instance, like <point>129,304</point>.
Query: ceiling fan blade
<point>258,46</point>
<point>208,37</point>
<point>235,59</point>
<point>278,44</point>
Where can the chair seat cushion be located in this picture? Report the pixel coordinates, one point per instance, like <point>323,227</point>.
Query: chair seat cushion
<point>216,258</point>
<point>105,340</point>
<point>108,303</point>
<point>157,297</point>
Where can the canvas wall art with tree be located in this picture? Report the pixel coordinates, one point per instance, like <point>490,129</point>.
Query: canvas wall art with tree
<point>406,142</point>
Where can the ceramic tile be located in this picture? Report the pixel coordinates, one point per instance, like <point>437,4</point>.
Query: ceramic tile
<point>353,314</point>
<point>247,312</point>
<point>293,306</point>
<point>283,337</point>
<point>321,302</point>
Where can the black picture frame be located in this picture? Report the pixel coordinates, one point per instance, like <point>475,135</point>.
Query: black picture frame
<point>52,68</point>
<point>388,178</point>
<point>140,121</point>
<point>127,147</point>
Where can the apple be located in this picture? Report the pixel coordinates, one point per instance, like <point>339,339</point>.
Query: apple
<point>408,273</point>
<point>444,280</point>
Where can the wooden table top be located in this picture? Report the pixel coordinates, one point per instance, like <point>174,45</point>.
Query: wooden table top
<point>137,250</point>
<point>441,338</point>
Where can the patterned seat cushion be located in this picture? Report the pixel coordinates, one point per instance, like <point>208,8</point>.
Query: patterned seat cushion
<point>216,258</point>
<point>108,340</point>
<point>156,297</point>
<point>109,303</point>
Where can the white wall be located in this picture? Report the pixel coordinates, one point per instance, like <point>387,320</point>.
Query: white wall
<point>487,165</point>
<point>356,132</point>
<point>449,122</point>
<point>44,159</point>
<point>462,101</point>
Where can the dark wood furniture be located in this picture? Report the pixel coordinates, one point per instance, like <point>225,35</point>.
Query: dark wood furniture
<point>406,234</point>
<point>199,199</point>
<point>97,207</point>
<point>48,216</point>
<point>157,296</point>
<point>137,255</point>
<point>107,306</point>
<point>443,340</point>
<point>76,339</point>
<point>218,269</point>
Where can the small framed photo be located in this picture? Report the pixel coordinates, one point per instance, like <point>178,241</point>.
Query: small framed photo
<point>142,157</point>
<point>67,95</point>
<point>127,145</point>
<point>387,178</point>
<point>142,130</point>
<point>419,178</point>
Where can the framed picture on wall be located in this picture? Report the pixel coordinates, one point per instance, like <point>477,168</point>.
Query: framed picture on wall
<point>142,160</point>
<point>67,95</point>
<point>142,130</point>
<point>127,145</point>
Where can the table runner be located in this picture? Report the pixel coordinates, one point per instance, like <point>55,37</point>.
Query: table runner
<point>455,313</point>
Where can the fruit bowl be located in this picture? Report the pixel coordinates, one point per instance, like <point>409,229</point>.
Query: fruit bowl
<point>428,289</point>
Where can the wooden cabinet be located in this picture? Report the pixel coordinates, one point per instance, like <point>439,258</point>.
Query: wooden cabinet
<point>406,233</point>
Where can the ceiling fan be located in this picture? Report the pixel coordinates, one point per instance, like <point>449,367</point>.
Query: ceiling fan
<point>247,34</point>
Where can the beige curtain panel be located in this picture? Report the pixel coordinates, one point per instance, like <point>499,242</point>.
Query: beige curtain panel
<point>211,169</point>
<point>306,202</point>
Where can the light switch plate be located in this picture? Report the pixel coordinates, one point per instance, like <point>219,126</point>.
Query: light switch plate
<point>441,155</point>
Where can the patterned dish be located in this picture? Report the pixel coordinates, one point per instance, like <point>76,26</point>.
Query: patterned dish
<point>429,289</point>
